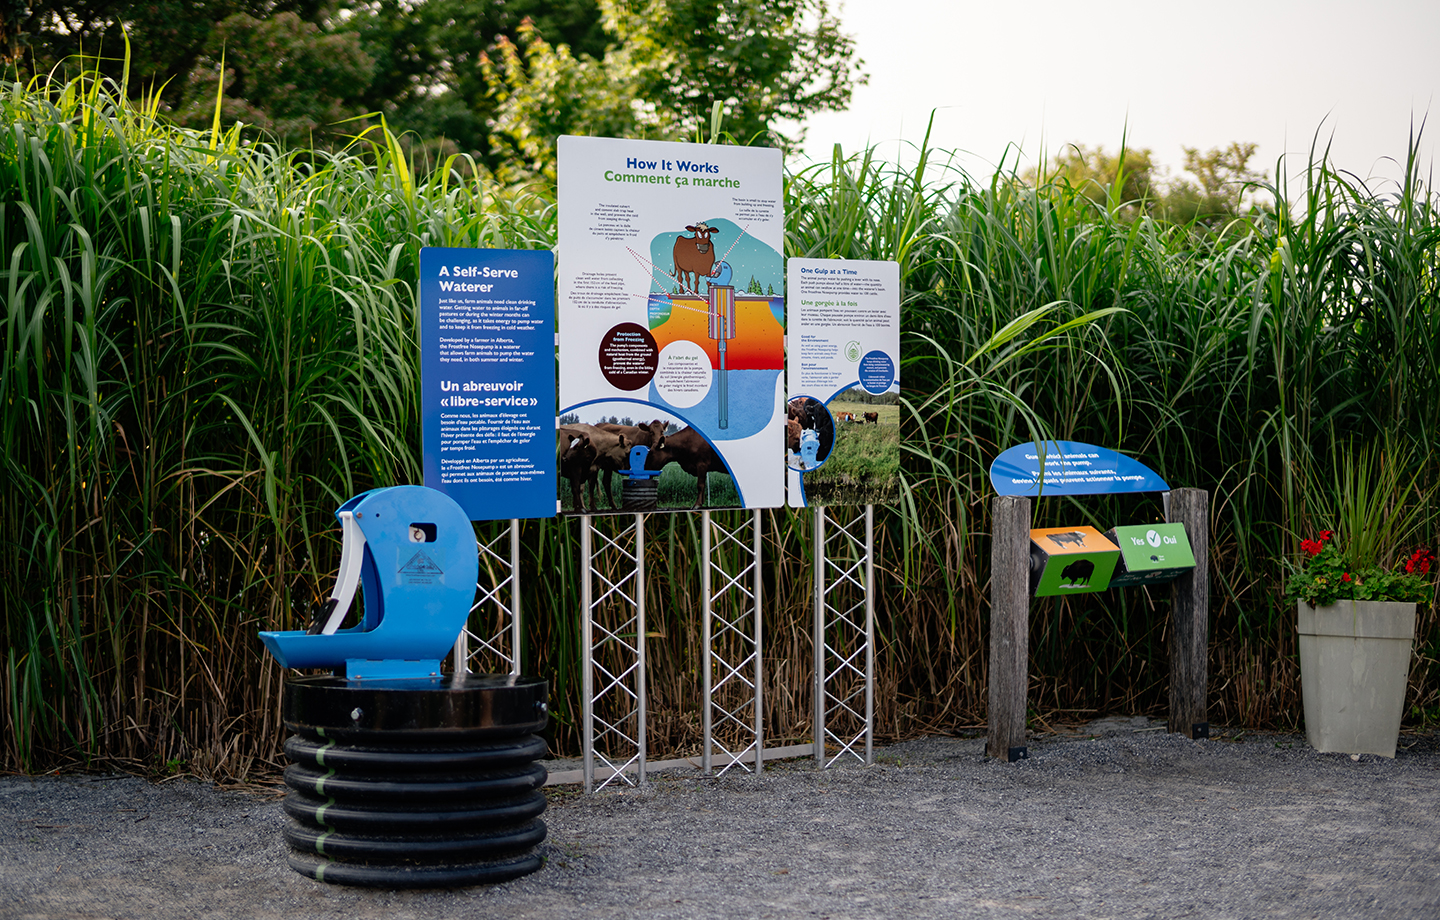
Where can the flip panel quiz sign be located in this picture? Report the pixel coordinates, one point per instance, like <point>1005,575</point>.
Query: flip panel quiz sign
<point>487,319</point>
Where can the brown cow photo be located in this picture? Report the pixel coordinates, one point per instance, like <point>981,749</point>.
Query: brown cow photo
<point>596,459</point>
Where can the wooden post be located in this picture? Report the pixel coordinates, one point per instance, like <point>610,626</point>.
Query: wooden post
<point>1009,625</point>
<point>1190,617</point>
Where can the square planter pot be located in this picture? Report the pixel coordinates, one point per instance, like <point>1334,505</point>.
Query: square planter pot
<point>1354,663</point>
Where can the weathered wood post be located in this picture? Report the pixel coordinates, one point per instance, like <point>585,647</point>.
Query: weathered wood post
<point>1190,615</point>
<point>1009,626</point>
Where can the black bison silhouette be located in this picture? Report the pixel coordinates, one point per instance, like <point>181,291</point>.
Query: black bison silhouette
<point>1078,571</point>
<point>1074,536</point>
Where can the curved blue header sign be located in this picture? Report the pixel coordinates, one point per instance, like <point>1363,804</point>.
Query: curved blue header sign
<point>1070,468</point>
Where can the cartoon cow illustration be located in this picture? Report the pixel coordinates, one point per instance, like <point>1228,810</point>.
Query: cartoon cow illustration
<point>694,256</point>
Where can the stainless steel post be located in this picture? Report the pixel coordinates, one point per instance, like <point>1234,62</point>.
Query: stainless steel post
<point>819,636</point>
<point>587,641</point>
<point>706,639</point>
<point>869,634</point>
<point>759,654</point>
<point>640,740</point>
<point>515,624</point>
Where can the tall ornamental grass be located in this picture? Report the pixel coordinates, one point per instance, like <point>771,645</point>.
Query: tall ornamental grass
<point>210,343</point>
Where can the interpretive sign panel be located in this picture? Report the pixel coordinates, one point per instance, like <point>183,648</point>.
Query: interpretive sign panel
<point>1070,468</point>
<point>843,364</point>
<point>671,311</point>
<point>487,344</point>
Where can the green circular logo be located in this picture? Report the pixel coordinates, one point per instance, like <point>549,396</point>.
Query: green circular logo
<point>852,351</point>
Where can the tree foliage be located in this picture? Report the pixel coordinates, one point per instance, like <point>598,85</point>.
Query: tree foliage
<point>1128,179</point>
<point>166,37</point>
<point>282,75</point>
<point>544,91</point>
<point>1226,185</point>
<point>500,80</point>
<point>764,61</point>
<point>430,57</point>
<point>1131,183</point>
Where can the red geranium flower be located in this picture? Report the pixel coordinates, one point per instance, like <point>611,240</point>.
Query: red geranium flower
<point>1419,561</point>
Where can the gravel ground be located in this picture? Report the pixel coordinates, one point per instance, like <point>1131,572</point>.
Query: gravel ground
<point>1117,819</point>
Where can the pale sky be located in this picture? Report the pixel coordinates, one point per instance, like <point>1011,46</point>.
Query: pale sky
<point>1045,73</point>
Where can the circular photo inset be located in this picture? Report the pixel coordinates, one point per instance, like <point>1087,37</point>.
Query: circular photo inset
<point>809,433</point>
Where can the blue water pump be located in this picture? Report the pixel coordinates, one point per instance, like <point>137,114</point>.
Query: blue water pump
<point>636,470</point>
<point>809,449</point>
<point>413,549</point>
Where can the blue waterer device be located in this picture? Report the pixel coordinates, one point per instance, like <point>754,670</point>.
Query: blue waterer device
<point>413,549</point>
<point>401,775</point>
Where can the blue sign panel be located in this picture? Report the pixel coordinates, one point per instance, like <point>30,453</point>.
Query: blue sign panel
<point>1070,468</point>
<point>487,343</point>
<point>877,372</point>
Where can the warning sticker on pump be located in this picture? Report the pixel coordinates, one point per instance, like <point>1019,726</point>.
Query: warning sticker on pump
<point>420,569</point>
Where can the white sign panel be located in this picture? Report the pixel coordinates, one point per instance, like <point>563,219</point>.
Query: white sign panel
<point>843,421</point>
<point>671,309</point>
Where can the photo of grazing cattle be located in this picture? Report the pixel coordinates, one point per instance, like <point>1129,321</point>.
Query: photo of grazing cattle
<point>688,450</point>
<point>862,462</point>
<point>593,457</point>
<point>577,464</point>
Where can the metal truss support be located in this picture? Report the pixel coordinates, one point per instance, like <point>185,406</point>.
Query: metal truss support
<point>612,636</point>
<point>733,672</point>
<point>490,641</point>
<point>844,637</point>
